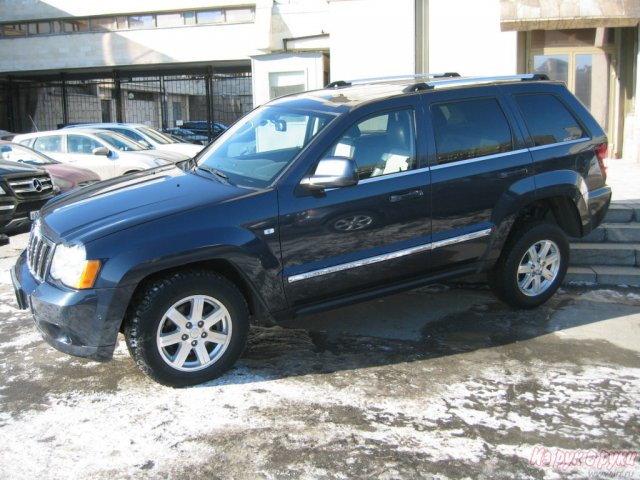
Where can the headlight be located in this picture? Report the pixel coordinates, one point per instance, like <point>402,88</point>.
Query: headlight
<point>2,191</point>
<point>71,267</point>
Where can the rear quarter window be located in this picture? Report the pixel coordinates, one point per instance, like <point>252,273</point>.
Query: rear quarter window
<point>548,119</point>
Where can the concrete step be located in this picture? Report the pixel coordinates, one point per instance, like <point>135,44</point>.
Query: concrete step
<point>604,275</point>
<point>612,232</point>
<point>622,213</point>
<point>591,254</point>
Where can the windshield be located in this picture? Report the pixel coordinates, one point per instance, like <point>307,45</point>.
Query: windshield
<point>18,153</point>
<point>156,136</point>
<point>120,142</point>
<point>257,148</point>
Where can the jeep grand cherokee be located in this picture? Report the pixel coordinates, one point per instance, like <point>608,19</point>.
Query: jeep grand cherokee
<point>316,200</point>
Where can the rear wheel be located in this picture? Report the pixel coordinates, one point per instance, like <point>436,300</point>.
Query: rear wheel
<point>188,328</point>
<point>532,266</point>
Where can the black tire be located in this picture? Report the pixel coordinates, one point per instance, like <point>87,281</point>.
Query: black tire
<point>524,281</point>
<point>203,321</point>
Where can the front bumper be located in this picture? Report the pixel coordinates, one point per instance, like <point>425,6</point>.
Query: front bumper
<point>83,323</point>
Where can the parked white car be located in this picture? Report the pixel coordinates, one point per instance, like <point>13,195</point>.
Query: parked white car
<point>109,154</point>
<point>146,136</point>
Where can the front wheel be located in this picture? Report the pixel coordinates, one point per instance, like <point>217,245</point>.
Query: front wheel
<point>532,265</point>
<point>187,328</point>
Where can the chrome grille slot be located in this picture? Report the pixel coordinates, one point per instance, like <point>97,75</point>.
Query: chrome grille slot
<point>39,253</point>
<point>31,185</point>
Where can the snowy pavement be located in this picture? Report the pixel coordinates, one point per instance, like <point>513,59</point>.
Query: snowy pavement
<point>442,382</point>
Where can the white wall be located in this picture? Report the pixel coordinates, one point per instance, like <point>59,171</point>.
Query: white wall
<point>465,37</point>
<point>15,10</point>
<point>312,64</point>
<point>186,44</point>
<point>371,38</point>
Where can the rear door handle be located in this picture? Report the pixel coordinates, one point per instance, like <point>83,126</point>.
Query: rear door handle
<point>514,173</point>
<point>406,196</point>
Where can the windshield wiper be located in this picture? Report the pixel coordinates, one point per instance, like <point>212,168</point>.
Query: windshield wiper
<point>216,172</point>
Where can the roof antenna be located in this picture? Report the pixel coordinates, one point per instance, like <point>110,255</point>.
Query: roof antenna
<point>34,123</point>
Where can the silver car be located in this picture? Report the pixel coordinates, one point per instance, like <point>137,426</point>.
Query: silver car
<point>146,136</point>
<point>109,154</point>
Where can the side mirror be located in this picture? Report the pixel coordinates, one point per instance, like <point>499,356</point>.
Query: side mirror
<point>101,151</point>
<point>332,172</point>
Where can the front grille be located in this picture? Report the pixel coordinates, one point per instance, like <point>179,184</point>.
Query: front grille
<point>39,253</point>
<point>33,185</point>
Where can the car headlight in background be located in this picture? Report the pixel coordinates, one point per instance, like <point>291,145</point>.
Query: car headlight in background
<point>2,191</point>
<point>71,267</point>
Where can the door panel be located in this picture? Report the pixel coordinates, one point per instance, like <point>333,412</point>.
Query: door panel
<point>480,157</point>
<point>347,239</point>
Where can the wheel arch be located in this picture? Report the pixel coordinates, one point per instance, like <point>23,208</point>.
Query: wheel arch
<point>224,268</point>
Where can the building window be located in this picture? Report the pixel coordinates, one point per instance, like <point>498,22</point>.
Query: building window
<point>141,21</point>
<point>72,26</point>
<point>169,20</point>
<point>218,16</point>
<point>210,16</point>
<point>40,28</point>
<point>102,24</point>
<point>284,83</point>
<point>17,30</point>
<point>240,15</point>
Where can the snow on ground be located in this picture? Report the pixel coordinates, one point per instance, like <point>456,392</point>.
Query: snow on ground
<point>475,396</point>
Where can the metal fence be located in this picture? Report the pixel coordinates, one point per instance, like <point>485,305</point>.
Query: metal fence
<point>160,101</point>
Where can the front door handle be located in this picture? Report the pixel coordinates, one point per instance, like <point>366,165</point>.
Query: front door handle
<point>406,196</point>
<point>514,173</point>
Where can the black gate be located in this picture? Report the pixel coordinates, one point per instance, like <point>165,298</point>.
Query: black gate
<point>161,101</point>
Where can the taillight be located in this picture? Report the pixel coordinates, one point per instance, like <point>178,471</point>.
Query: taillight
<point>601,152</point>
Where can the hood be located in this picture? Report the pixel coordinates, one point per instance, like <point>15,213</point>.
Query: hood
<point>107,207</point>
<point>172,157</point>
<point>8,168</point>
<point>69,176</point>
<point>71,172</point>
<point>189,149</point>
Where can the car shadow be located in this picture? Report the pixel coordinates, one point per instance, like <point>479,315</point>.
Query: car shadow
<point>420,325</point>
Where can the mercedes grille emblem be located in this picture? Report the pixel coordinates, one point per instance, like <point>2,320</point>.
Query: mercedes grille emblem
<point>37,184</point>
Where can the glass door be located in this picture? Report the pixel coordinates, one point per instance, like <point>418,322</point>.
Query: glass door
<point>571,56</point>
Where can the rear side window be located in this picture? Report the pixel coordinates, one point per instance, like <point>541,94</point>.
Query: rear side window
<point>547,119</point>
<point>51,143</point>
<point>469,129</point>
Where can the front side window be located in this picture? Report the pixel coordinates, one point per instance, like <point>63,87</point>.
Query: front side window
<point>81,144</point>
<point>119,142</point>
<point>255,150</point>
<point>470,129</point>
<point>547,119</point>
<point>380,145</point>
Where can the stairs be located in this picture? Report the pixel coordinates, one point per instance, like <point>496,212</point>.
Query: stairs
<point>610,255</point>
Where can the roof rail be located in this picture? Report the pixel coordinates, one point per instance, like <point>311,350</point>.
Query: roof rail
<point>472,80</point>
<point>348,83</point>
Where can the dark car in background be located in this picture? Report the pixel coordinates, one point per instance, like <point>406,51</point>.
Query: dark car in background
<point>64,176</point>
<point>24,189</point>
<point>185,135</point>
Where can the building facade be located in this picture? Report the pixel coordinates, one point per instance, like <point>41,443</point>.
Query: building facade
<point>64,61</point>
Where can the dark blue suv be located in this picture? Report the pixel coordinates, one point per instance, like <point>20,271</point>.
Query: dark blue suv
<point>316,200</point>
